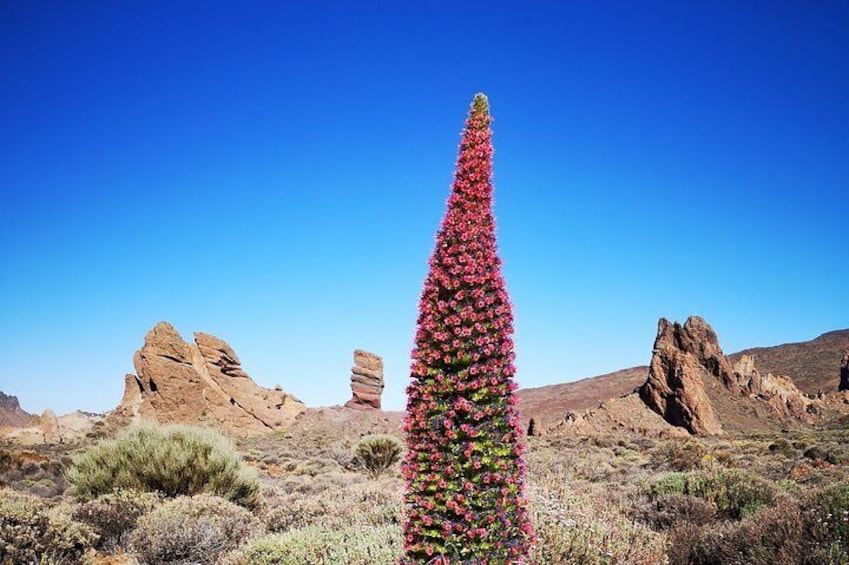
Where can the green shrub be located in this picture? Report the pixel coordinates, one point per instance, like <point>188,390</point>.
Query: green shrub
<point>827,526</point>
<point>196,530</point>
<point>30,535</point>
<point>319,545</point>
<point>174,460</point>
<point>378,453</point>
<point>670,484</point>
<point>113,516</point>
<point>736,493</point>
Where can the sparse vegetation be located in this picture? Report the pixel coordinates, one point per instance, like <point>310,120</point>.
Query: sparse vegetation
<point>31,472</point>
<point>370,503</point>
<point>173,461</point>
<point>612,499</point>
<point>113,516</point>
<point>199,530</point>
<point>320,545</point>
<point>31,534</point>
<point>735,492</point>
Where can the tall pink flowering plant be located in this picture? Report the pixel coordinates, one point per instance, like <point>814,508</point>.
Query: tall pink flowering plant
<point>464,469</point>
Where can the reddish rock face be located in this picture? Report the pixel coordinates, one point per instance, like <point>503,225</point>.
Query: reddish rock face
<point>779,392</point>
<point>686,359</point>
<point>11,413</point>
<point>844,372</point>
<point>366,381</point>
<point>200,383</point>
<point>683,356</point>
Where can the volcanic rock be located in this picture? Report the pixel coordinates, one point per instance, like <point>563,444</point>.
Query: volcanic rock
<point>683,357</point>
<point>202,383</point>
<point>625,414</point>
<point>844,372</point>
<point>50,430</point>
<point>366,381</point>
<point>778,391</point>
<point>11,413</point>
<point>693,384</point>
<point>811,364</point>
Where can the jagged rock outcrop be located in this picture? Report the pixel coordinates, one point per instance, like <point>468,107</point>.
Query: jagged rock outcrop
<point>683,357</point>
<point>366,381</point>
<point>692,384</point>
<point>779,392</point>
<point>51,429</point>
<point>11,413</point>
<point>844,373</point>
<point>200,383</point>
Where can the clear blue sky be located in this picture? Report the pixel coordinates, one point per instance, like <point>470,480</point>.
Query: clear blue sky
<point>274,173</point>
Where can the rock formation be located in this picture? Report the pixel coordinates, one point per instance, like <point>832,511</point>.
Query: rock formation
<point>625,414</point>
<point>683,357</point>
<point>11,413</point>
<point>201,383</point>
<point>779,392</point>
<point>844,372</point>
<point>50,430</point>
<point>366,381</point>
<point>691,383</point>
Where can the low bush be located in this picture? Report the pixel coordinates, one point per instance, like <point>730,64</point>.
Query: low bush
<point>320,545</point>
<point>197,530</point>
<point>681,456</point>
<point>113,516</point>
<point>174,461</point>
<point>772,536</point>
<point>29,534</point>
<point>589,529</point>
<point>378,453</point>
<point>667,511</point>
<point>820,453</point>
<point>371,504</point>
<point>827,526</point>
<point>671,484</point>
<point>736,493</point>
<point>31,473</point>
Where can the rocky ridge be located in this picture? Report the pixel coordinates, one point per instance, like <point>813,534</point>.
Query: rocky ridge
<point>692,386</point>
<point>811,364</point>
<point>11,413</point>
<point>200,383</point>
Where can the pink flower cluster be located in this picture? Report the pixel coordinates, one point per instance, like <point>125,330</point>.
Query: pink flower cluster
<point>463,467</point>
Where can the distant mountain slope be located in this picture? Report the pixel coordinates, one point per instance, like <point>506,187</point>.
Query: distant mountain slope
<point>11,413</point>
<point>550,403</point>
<point>813,365</point>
